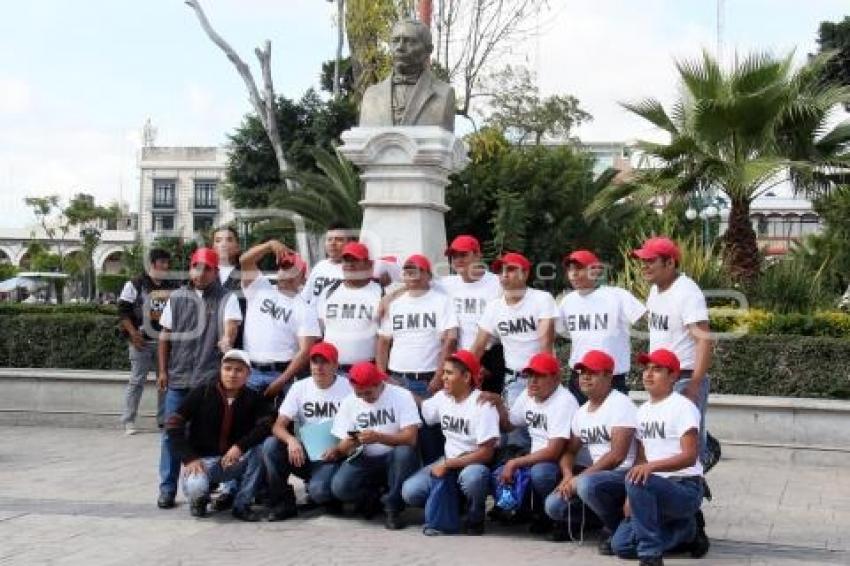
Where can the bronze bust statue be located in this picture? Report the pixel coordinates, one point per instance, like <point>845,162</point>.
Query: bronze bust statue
<point>412,95</point>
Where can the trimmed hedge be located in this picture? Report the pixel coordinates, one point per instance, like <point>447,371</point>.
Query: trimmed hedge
<point>835,324</point>
<point>68,308</point>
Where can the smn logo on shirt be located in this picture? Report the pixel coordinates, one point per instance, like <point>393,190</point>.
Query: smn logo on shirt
<point>320,410</point>
<point>414,321</point>
<point>587,322</point>
<point>518,326</point>
<point>536,420</point>
<point>376,418</point>
<point>348,311</point>
<point>659,321</point>
<point>654,429</point>
<point>455,424</point>
<point>595,435</point>
<point>469,305</point>
<point>321,283</point>
<point>269,307</point>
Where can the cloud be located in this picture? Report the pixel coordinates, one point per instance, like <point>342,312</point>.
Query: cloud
<point>15,96</point>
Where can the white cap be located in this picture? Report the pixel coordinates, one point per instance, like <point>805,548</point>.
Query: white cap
<point>240,355</point>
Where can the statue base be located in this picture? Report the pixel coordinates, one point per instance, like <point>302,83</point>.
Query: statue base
<point>405,170</point>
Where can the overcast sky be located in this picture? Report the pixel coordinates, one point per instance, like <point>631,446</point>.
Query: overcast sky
<point>78,79</point>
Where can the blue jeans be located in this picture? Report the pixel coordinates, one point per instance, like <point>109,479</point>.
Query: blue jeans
<point>169,464</point>
<point>663,516</point>
<point>247,470</point>
<point>702,405</point>
<point>430,439</point>
<point>142,362</point>
<point>356,479</point>
<point>473,481</point>
<point>604,492</point>
<point>514,386</point>
<point>318,475</point>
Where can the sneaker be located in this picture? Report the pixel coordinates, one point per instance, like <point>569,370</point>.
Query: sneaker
<point>165,501</point>
<point>429,532</point>
<point>223,502</point>
<point>198,507</point>
<point>282,512</point>
<point>605,548</point>
<point>560,532</point>
<point>700,543</point>
<point>246,514</point>
<point>130,429</point>
<point>474,529</point>
<point>651,561</point>
<point>393,521</point>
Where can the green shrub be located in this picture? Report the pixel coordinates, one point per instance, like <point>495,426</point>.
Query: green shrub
<point>68,308</point>
<point>789,286</point>
<point>111,283</point>
<point>759,322</point>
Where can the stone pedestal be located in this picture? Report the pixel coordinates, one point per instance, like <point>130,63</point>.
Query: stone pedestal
<point>405,170</point>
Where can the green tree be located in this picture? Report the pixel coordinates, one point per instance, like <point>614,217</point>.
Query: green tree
<point>828,251</point>
<point>740,132</point>
<point>835,36</point>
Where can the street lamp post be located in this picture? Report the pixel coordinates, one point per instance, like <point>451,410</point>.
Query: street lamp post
<point>707,209</point>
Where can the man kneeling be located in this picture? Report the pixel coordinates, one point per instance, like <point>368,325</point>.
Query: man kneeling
<point>215,433</point>
<point>377,426</point>
<point>471,430</point>
<point>312,404</point>
<point>665,486</point>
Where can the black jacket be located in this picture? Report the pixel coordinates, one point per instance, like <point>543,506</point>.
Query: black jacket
<point>150,301</point>
<point>205,425</point>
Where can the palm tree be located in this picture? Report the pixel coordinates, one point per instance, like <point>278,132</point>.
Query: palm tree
<point>741,132</point>
<point>325,198</point>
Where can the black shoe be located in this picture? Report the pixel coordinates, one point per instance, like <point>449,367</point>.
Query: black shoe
<point>165,501</point>
<point>393,521</point>
<point>560,532</point>
<point>651,561</point>
<point>283,512</point>
<point>334,507</point>
<point>223,502</point>
<point>474,529</point>
<point>368,507</point>
<point>500,515</point>
<point>246,514</point>
<point>540,525</point>
<point>198,507</point>
<point>700,544</point>
<point>605,548</point>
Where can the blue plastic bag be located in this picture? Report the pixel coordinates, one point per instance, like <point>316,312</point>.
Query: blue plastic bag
<point>509,497</point>
<point>441,509</point>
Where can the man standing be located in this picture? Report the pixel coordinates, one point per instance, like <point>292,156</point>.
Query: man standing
<point>328,271</point>
<point>604,427</point>
<point>546,410</point>
<point>140,306</point>
<point>215,433</point>
<point>523,319</point>
<point>311,404</point>
<point>471,431</point>
<point>280,327</point>
<point>665,486</point>
<point>377,427</point>
<point>193,337</point>
<point>678,321</point>
<point>597,318</point>
<point>348,309</point>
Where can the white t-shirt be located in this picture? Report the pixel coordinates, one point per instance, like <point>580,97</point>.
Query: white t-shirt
<point>231,310</point>
<point>466,425</point>
<point>274,322</point>
<point>546,420</point>
<point>595,428</point>
<point>600,320</point>
<point>394,410</point>
<point>306,404</point>
<point>350,318</point>
<point>324,274</point>
<point>518,325</point>
<point>416,325</point>
<point>669,313</point>
<point>469,301</point>
<point>661,425</point>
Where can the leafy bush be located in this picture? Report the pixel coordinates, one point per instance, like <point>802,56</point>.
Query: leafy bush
<point>110,283</point>
<point>70,308</point>
<point>834,324</point>
<point>789,286</point>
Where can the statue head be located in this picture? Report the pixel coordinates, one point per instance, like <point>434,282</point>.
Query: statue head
<point>411,46</point>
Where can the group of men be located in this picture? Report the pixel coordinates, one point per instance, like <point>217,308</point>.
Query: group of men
<point>381,394</point>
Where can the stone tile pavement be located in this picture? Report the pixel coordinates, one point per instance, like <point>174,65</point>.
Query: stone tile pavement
<point>82,496</point>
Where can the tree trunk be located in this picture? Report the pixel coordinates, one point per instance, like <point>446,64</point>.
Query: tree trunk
<point>340,40</point>
<point>740,249</point>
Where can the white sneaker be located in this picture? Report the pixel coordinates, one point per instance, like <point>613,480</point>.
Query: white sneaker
<point>130,429</point>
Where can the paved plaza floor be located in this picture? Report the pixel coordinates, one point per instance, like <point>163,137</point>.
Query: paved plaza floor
<point>83,496</point>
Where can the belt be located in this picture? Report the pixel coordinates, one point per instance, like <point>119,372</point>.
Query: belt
<point>270,366</point>
<point>699,479</point>
<point>415,376</point>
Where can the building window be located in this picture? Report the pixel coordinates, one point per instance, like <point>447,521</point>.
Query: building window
<point>202,222</point>
<point>205,194</point>
<point>163,222</point>
<point>163,193</point>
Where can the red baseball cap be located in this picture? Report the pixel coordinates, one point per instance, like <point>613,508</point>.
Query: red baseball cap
<point>584,258</point>
<point>656,247</point>
<point>512,259</point>
<point>207,256</point>
<point>471,362</point>
<point>288,260</point>
<point>543,363</point>
<point>661,357</point>
<point>356,250</point>
<point>464,244</point>
<point>419,261</point>
<point>325,350</point>
<point>365,374</point>
<point>596,361</point>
